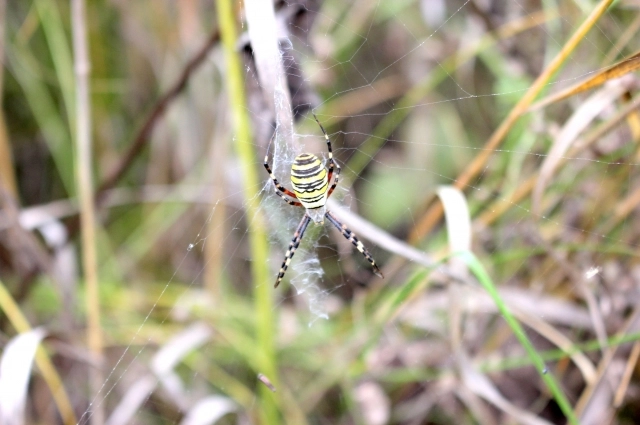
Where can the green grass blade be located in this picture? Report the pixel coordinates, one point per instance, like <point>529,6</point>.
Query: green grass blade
<point>536,359</point>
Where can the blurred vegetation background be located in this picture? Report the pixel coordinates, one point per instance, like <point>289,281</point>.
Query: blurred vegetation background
<point>427,103</point>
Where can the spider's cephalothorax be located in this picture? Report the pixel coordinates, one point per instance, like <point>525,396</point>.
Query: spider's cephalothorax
<point>310,180</point>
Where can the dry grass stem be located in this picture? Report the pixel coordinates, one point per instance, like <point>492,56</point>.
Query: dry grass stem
<point>84,163</point>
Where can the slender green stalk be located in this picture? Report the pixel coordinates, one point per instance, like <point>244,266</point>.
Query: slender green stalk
<point>53,26</point>
<point>265,348</point>
<point>45,109</point>
<point>86,197</point>
<point>536,359</point>
<point>9,306</point>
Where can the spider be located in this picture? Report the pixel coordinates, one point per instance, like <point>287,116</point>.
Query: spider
<point>311,190</point>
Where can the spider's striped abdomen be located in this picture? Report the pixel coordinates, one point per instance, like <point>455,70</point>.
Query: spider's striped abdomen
<point>310,181</point>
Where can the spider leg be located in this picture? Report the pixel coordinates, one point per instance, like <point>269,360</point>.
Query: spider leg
<point>280,189</point>
<point>332,163</point>
<point>287,200</point>
<point>335,182</point>
<point>354,240</point>
<point>293,245</point>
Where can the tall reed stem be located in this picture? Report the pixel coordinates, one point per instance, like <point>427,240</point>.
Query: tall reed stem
<point>86,198</point>
<point>263,290</point>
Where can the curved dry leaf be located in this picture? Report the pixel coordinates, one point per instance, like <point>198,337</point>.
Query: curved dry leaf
<point>617,70</point>
<point>179,346</point>
<point>15,370</point>
<point>172,353</point>
<point>374,404</point>
<point>580,119</point>
<point>162,364</point>
<point>208,410</point>
<point>264,33</point>
<point>482,386</point>
<point>131,402</point>
<point>456,212</point>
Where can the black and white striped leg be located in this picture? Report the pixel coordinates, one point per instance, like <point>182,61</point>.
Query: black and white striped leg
<point>293,245</point>
<point>332,163</point>
<point>335,182</point>
<point>354,240</point>
<point>280,189</point>
<point>287,200</point>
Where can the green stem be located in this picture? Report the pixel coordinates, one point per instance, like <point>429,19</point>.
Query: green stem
<point>265,347</point>
<point>485,280</point>
<point>84,173</point>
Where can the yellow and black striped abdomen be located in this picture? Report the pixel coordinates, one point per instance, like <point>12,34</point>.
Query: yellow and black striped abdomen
<point>309,180</point>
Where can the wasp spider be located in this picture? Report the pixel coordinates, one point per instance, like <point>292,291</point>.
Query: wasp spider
<point>310,181</point>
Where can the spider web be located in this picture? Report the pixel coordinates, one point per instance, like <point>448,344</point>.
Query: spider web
<point>432,128</point>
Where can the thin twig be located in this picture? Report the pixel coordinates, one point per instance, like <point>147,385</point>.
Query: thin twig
<point>142,137</point>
